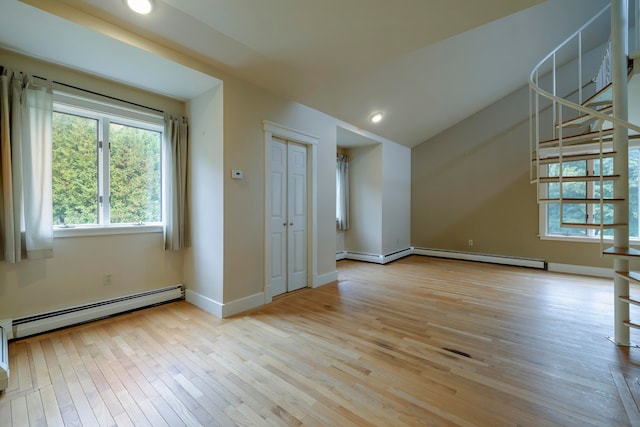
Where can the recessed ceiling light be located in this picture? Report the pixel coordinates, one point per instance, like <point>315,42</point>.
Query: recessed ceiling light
<point>142,7</point>
<point>376,117</point>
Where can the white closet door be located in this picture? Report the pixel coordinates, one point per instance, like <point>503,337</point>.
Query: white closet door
<point>297,213</point>
<point>278,217</point>
<point>288,216</point>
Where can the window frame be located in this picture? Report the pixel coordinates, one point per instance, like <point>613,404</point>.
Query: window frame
<point>590,236</point>
<point>105,113</point>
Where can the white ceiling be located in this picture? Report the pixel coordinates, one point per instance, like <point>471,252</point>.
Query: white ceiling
<point>427,64</point>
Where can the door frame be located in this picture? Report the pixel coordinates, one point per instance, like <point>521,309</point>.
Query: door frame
<point>271,130</point>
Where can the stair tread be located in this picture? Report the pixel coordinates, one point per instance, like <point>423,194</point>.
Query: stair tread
<point>573,157</point>
<point>590,225</point>
<point>626,252</point>
<point>602,96</point>
<point>632,275</point>
<point>578,178</point>
<point>575,139</point>
<point>583,200</point>
<point>585,119</point>
<point>587,137</point>
<point>630,324</point>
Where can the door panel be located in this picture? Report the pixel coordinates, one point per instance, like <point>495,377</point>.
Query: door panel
<point>297,207</point>
<point>278,217</point>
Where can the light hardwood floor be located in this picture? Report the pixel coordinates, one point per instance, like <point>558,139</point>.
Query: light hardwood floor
<point>386,346</point>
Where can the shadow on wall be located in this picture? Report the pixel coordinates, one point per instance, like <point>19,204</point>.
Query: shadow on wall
<point>455,173</point>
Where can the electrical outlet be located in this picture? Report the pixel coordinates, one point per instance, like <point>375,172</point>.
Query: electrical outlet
<point>470,242</point>
<point>106,280</point>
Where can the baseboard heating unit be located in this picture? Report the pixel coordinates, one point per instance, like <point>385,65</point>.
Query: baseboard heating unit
<point>375,258</point>
<point>492,259</point>
<point>31,325</point>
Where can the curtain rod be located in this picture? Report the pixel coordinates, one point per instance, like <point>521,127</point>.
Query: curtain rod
<point>94,93</point>
<point>103,95</point>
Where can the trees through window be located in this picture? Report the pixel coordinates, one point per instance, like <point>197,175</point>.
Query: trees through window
<point>107,169</point>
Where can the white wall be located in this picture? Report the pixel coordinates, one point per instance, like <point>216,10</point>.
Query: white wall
<point>225,266</point>
<point>204,268</point>
<point>246,106</point>
<point>396,198</point>
<point>365,191</point>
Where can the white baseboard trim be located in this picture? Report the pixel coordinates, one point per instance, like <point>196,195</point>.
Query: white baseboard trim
<point>242,304</point>
<point>223,310</point>
<point>471,256</point>
<point>374,258</point>
<point>207,304</point>
<point>268,294</point>
<point>326,278</point>
<point>581,270</point>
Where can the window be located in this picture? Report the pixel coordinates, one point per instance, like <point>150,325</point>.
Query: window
<point>580,213</point>
<point>107,165</point>
<point>342,192</point>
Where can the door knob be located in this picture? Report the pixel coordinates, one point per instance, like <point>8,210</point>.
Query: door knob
<point>290,223</point>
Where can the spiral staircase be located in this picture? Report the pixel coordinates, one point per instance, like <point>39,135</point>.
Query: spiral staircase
<point>580,121</point>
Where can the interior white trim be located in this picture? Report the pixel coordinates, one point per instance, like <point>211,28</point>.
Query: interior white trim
<point>341,255</point>
<point>275,130</point>
<point>207,304</point>
<point>6,333</point>
<point>325,279</point>
<point>7,326</point>
<point>223,310</point>
<point>242,304</point>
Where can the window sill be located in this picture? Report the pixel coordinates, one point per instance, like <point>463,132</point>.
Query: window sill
<point>81,231</point>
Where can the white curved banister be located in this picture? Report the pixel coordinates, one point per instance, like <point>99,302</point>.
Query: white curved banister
<point>534,77</point>
<point>564,43</point>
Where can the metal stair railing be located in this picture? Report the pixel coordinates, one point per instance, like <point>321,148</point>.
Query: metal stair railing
<point>559,103</point>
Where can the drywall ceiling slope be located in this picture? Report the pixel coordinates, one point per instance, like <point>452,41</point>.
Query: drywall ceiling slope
<point>35,33</point>
<point>425,64</point>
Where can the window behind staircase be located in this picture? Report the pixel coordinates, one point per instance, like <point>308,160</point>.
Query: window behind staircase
<point>589,213</point>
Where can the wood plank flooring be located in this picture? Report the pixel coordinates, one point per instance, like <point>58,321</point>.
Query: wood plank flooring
<point>421,341</point>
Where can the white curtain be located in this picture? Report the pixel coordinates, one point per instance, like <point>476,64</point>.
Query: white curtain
<point>176,142</point>
<point>342,192</point>
<point>25,167</point>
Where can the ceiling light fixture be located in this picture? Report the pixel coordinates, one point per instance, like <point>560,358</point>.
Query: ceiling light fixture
<point>142,7</point>
<point>376,117</point>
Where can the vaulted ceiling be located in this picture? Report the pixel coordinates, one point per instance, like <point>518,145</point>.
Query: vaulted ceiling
<point>426,64</point>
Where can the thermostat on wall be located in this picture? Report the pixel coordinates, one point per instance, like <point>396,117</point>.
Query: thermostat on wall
<point>237,174</point>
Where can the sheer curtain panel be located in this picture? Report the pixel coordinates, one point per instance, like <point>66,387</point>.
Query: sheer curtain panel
<point>342,192</point>
<point>25,167</point>
<point>176,142</point>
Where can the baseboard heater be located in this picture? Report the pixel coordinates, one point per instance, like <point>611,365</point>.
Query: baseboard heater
<point>31,325</point>
<point>472,256</point>
<point>375,258</point>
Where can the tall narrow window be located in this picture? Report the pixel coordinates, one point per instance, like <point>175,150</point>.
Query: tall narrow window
<point>75,169</point>
<point>135,174</point>
<point>342,192</point>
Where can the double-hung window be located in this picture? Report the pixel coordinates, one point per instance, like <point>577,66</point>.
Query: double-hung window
<point>107,165</point>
